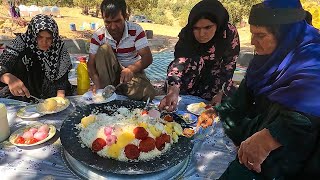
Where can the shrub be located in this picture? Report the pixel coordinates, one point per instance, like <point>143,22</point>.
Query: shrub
<point>157,15</point>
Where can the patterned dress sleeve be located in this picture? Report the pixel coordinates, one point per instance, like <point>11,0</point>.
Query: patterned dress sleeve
<point>230,57</point>
<point>65,65</point>
<point>10,55</point>
<point>62,83</point>
<point>176,70</point>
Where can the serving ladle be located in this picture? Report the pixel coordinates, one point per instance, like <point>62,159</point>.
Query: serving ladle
<point>109,90</point>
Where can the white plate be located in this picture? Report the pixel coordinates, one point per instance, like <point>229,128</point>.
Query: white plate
<point>189,118</point>
<point>88,97</point>
<point>63,103</point>
<point>52,132</point>
<point>195,109</point>
<point>29,112</point>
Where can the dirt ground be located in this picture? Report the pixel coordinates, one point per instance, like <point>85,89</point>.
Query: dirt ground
<point>82,22</point>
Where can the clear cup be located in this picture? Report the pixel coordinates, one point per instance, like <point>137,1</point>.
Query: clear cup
<point>4,125</point>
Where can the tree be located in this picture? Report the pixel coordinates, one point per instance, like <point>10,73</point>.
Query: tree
<point>85,5</point>
<point>141,5</point>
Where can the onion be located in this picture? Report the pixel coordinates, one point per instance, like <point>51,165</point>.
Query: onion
<point>111,139</point>
<point>154,113</point>
<point>44,128</point>
<point>108,130</point>
<point>33,130</point>
<point>27,135</point>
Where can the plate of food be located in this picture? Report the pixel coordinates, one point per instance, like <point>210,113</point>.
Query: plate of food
<point>32,135</point>
<point>53,105</point>
<point>197,108</point>
<point>98,98</point>
<point>29,112</point>
<point>49,106</point>
<point>189,118</point>
<point>124,138</point>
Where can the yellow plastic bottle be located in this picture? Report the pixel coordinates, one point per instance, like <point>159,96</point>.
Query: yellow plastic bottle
<point>83,80</point>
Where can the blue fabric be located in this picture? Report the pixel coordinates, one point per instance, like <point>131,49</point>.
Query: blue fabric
<point>283,3</point>
<point>291,74</point>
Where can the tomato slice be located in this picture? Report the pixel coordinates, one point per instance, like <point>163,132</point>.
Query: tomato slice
<point>168,118</point>
<point>31,141</point>
<point>98,144</point>
<point>144,112</point>
<point>19,140</point>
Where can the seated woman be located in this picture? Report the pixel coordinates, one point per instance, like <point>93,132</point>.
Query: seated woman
<point>205,56</point>
<point>274,116</point>
<point>36,62</point>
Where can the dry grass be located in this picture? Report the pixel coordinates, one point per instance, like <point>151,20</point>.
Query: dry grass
<point>245,38</point>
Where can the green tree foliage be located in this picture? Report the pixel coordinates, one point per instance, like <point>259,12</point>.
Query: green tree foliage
<point>141,5</point>
<point>157,10</point>
<point>182,8</point>
<point>46,2</point>
<point>86,4</point>
<point>238,9</point>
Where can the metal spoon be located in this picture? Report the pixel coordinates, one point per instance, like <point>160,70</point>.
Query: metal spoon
<point>147,103</point>
<point>39,100</point>
<point>109,90</point>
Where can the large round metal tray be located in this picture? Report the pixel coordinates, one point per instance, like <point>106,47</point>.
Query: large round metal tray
<point>70,141</point>
<point>85,172</point>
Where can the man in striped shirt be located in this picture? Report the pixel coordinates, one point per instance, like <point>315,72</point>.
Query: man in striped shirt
<point>119,53</point>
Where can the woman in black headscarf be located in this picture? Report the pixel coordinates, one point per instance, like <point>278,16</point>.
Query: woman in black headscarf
<point>36,62</point>
<point>205,56</point>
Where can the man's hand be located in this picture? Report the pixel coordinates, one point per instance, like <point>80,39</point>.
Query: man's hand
<point>16,86</point>
<point>254,150</point>
<point>206,118</point>
<point>95,87</point>
<point>93,73</point>
<point>126,75</point>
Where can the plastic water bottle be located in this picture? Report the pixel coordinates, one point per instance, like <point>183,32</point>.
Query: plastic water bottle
<point>83,81</point>
<point>4,125</point>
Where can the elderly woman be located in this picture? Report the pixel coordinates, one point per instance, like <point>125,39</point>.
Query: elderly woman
<point>274,117</point>
<point>36,62</point>
<point>205,56</point>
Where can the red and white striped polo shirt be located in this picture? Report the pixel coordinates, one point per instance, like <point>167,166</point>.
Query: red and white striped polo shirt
<point>126,51</point>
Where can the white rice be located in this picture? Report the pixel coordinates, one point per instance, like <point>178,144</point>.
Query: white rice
<point>123,120</point>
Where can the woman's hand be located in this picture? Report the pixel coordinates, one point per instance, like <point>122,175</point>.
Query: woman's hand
<point>216,100</point>
<point>61,93</point>
<point>206,118</point>
<point>254,150</point>
<point>16,86</point>
<point>169,102</point>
